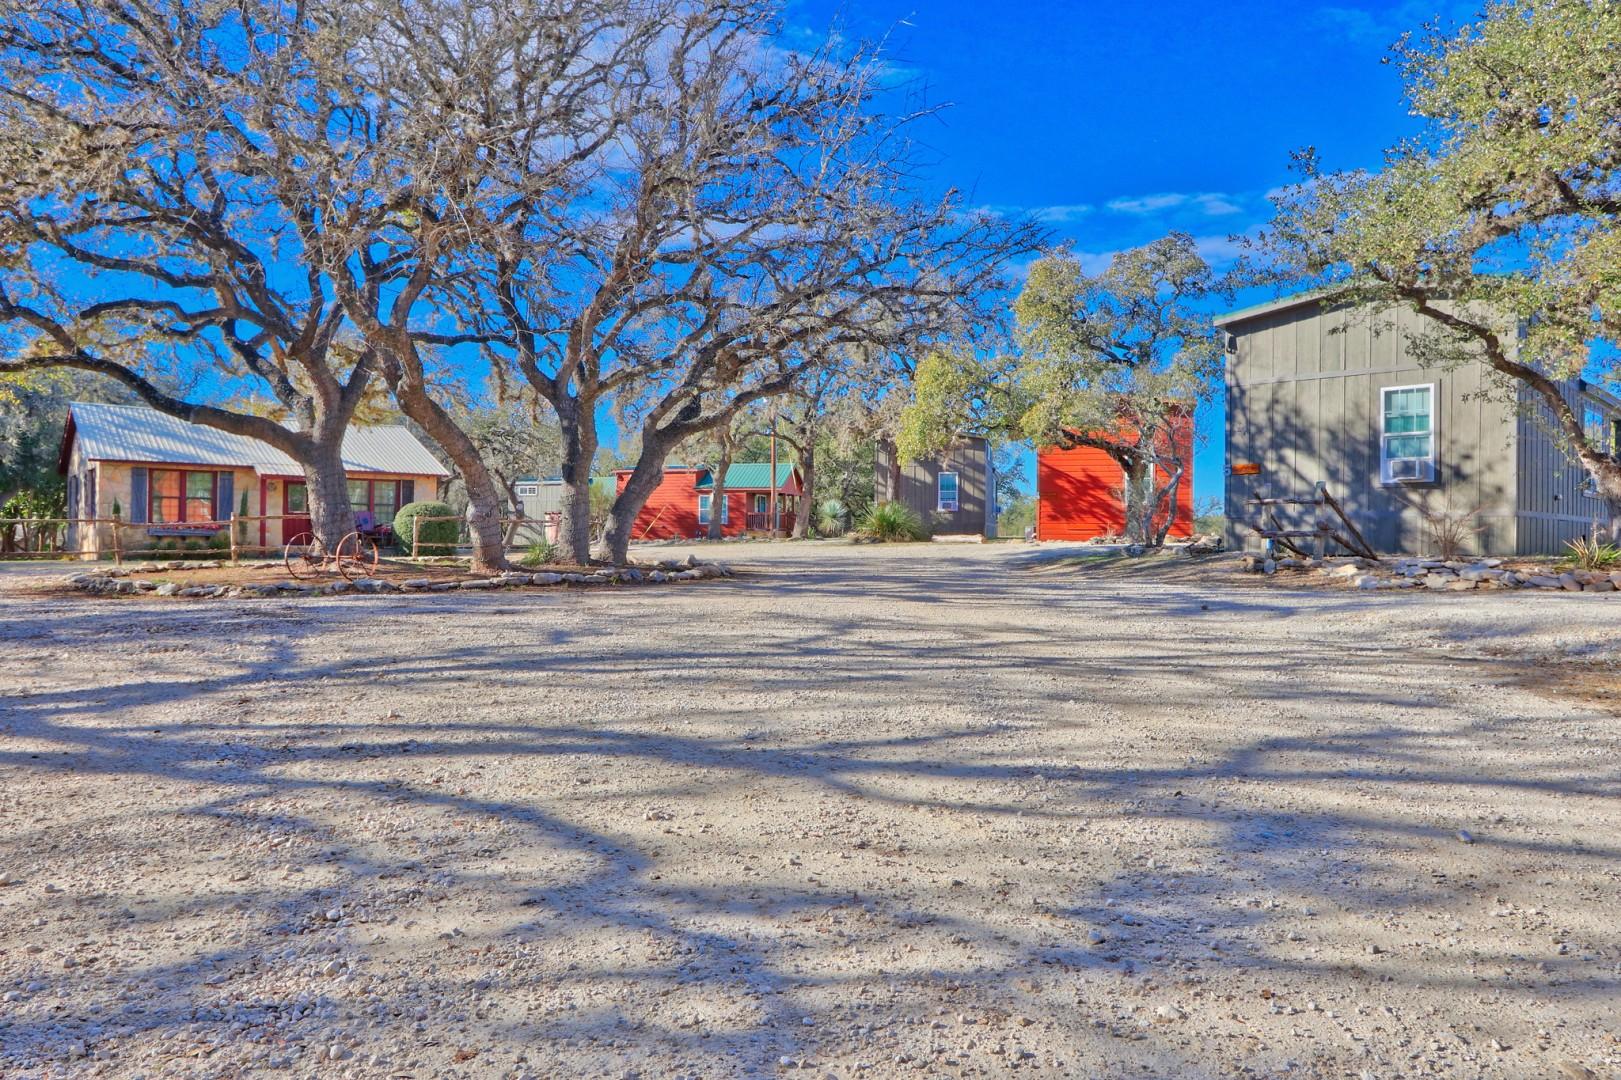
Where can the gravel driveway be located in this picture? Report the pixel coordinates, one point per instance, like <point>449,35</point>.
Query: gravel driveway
<point>927,811</point>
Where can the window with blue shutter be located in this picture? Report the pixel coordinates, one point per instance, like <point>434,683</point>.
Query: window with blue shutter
<point>137,496</point>
<point>224,493</point>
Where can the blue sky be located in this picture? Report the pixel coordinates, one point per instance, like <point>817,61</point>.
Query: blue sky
<point>1117,123</point>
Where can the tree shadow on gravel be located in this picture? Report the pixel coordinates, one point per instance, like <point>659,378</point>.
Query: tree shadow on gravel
<point>604,938</point>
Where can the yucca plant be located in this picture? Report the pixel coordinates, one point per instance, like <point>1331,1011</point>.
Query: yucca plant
<point>831,517</point>
<point>1593,554</point>
<point>893,521</point>
<point>540,553</point>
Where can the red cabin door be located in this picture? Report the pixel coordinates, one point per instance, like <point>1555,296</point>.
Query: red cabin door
<point>296,507</point>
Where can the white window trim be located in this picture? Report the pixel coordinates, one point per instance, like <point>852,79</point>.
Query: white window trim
<point>1434,433</point>
<point>939,492</point>
<point>706,503</point>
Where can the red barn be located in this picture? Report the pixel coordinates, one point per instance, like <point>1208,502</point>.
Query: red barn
<point>1079,492</point>
<point>680,506</point>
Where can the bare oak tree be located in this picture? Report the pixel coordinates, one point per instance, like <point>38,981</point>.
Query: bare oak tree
<point>171,176</point>
<point>743,222</point>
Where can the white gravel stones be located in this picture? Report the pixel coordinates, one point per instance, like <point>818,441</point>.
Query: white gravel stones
<point>902,791</point>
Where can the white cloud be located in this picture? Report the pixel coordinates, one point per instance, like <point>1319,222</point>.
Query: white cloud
<point>1148,204</point>
<point>1059,214</point>
<point>1219,250</point>
<point>1208,203</point>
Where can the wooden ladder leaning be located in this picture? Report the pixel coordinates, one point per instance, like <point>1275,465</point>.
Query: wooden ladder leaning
<point>1347,536</point>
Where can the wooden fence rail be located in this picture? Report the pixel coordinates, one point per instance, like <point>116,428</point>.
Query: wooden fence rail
<point>58,528</point>
<point>47,538</point>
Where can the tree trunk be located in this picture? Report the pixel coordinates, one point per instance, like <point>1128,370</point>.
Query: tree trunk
<point>516,502</point>
<point>483,499</point>
<point>1139,501</point>
<point>1167,495</point>
<point>892,475</point>
<point>807,497</point>
<point>638,489</point>
<point>717,497</point>
<point>327,486</point>
<point>579,429</point>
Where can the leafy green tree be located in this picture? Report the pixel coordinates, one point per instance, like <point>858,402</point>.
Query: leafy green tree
<point>1018,514</point>
<point>1498,221</point>
<point>1117,360</point>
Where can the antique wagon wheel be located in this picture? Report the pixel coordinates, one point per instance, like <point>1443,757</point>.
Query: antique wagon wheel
<point>357,556</point>
<point>304,555</point>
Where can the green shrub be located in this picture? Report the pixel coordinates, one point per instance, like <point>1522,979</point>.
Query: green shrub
<point>831,517</point>
<point>892,521</point>
<point>540,553</point>
<point>1593,554</point>
<point>433,537</point>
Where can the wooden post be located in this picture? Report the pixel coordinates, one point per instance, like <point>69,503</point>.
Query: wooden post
<point>236,554</point>
<point>416,530</point>
<point>118,548</point>
<point>774,519</point>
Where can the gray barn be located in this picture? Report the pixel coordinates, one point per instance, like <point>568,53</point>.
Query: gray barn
<point>1317,393</point>
<point>954,492</point>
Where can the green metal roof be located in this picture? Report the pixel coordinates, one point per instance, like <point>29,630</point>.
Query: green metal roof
<point>746,475</point>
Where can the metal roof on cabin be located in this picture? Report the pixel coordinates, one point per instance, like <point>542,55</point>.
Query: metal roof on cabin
<point>1282,303</point>
<point>137,433</point>
<point>748,475</point>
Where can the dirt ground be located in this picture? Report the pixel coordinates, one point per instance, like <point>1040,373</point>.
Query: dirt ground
<point>932,810</point>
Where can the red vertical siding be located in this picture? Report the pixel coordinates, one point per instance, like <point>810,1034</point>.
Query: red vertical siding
<point>671,512</point>
<point>1078,493</point>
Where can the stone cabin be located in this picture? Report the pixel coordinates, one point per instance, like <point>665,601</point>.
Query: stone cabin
<point>170,480</point>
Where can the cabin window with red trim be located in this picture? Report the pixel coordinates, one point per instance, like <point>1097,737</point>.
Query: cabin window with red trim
<point>178,496</point>
<point>379,498</point>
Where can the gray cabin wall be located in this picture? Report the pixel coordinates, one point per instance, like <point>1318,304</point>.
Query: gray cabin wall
<point>1553,507</point>
<point>548,498</point>
<point>970,460</point>
<point>1303,403</point>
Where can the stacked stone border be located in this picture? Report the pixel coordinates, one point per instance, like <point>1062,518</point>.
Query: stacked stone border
<point>1442,575</point>
<point>127,581</point>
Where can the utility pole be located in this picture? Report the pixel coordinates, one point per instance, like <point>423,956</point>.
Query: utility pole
<point>773,509</point>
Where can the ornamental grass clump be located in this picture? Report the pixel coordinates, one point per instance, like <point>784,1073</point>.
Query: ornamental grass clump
<point>891,522</point>
<point>1593,554</point>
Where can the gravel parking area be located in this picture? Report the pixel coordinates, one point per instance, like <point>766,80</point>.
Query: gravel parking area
<point>935,810</point>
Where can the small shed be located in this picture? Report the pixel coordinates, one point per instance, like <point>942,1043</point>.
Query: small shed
<point>1080,493</point>
<point>954,492</point>
<point>681,505</point>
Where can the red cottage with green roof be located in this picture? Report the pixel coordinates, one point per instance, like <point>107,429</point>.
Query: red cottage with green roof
<point>680,506</point>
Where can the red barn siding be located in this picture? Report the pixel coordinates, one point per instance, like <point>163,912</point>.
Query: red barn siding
<point>1078,493</point>
<point>671,512</point>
